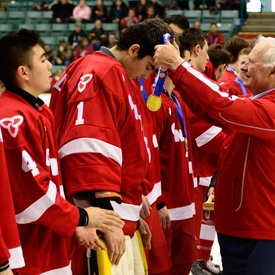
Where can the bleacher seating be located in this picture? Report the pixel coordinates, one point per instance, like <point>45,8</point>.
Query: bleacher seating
<point>34,16</point>
<point>3,17</point>
<point>59,29</point>
<point>5,29</point>
<point>170,12</point>
<point>193,15</point>
<point>210,17</point>
<point>19,14</point>
<point>229,16</point>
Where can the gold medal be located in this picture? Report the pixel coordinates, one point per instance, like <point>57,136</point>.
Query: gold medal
<point>154,102</point>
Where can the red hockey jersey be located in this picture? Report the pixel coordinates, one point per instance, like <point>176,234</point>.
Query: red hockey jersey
<point>176,167</point>
<point>10,247</point>
<point>244,194</point>
<point>46,221</point>
<point>100,129</point>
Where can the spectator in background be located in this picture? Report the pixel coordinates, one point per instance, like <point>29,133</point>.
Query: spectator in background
<point>112,40</point>
<point>82,12</point>
<point>84,48</point>
<point>41,6</point>
<point>206,5</point>
<point>98,36</point>
<point>99,11</point>
<point>183,5</point>
<point>63,53</point>
<point>118,10</point>
<point>49,53</point>
<point>197,24</point>
<point>62,12</point>
<point>214,36</point>
<point>159,9</point>
<point>56,75</point>
<point>129,20</point>
<point>141,9</point>
<point>75,36</point>
<point>150,13</point>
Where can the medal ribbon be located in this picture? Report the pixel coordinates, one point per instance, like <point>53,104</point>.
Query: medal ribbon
<point>142,88</point>
<point>242,86</point>
<point>161,75</point>
<point>231,69</point>
<point>179,111</point>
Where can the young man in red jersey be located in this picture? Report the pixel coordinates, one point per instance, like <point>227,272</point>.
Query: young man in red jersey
<point>103,134</point>
<point>46,221</point>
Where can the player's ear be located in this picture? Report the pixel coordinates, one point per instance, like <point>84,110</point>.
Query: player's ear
<point>22,72</point>
<point>134,50</point>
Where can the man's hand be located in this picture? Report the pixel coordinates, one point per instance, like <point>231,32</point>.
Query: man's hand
<point>146,208</point>
<point>211,191</point>
<point>116,245</point>
<point>104,220</point>
<point>6,272</point>
<point>164,217</point>
<point>167,55</point>
<point>88,237</point>
<point>145,234</point>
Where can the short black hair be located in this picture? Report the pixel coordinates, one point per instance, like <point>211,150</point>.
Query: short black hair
<point>218,55</point>
<point>190,38</point>
<point>180,20</point>
<point>146,34</point>
<point>16,50</point>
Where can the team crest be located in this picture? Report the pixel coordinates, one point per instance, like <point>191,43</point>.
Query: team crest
<point>12,124</point>
<point>84,80</point>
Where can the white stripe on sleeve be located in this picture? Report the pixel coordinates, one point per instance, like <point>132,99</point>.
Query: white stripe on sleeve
<point>208,135</point>
<point>37,209</point>
<point>91,145</point>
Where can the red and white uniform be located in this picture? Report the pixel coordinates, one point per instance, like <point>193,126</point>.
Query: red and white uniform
<point>46,221</point>
<point>243,172</point>
<point>206,141</point>
<point>228,76</point>
<point>152,191</point>
<point>177,184</point>
<point>100,129</point>
<point>10,247</point>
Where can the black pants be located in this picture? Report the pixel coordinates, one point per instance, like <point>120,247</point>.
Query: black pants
<point>247,256</point>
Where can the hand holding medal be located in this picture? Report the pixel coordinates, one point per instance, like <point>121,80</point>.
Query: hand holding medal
<point>154,101</point>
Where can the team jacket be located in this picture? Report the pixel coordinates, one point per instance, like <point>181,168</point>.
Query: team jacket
<point>206,141</point>
<point>100,129</point>
<point>176,167</point>
<point>245,193</point>
<point>10,247</point>
<point>45,219</point>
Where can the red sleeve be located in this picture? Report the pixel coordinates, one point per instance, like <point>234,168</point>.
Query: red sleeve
<point>253,117</point>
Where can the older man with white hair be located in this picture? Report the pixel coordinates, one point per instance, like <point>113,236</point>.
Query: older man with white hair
<point>245,193</point>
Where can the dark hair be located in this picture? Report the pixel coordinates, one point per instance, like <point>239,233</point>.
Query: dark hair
<point>146,34</point>
<point>234,45</point>
<point>191,38</point>
<point>180,20</point>
<point>218,55</point>
<point>16,50</point>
